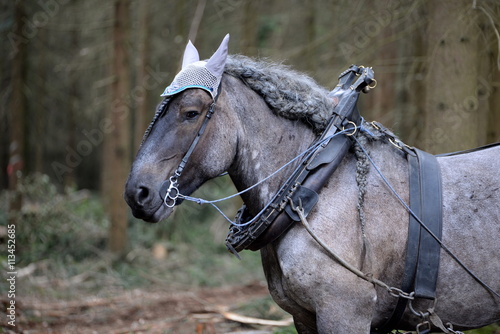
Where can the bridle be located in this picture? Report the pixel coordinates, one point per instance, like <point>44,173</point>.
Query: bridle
<point>169,190</point>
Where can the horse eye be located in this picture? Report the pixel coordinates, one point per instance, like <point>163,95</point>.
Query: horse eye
<point>192,114</point>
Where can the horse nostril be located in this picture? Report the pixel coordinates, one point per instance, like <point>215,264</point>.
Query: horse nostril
<point>142,194</point>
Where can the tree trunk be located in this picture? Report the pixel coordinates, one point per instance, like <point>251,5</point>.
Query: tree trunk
<point>40,115</point>
<point>494,117</point>
<point>17,111</point>
<point>384,97</point>
<point>116,150</point>
<point>451,102</point>
<point>196,21</point>
<point>310,30</point>
<point>248,43</point>
<point>140,93</point>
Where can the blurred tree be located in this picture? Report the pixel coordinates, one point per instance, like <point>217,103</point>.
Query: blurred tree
<point>451,101</point>
<point>117,130</point>
<point>40,115</point>
<point>489,85</point>
<point>17,109</point>
<point>494,117</point>
<point>386,54</point>
<point>73,92</point>
<point>196,21</point>
<point>140,92</point>
<point>248,42</point>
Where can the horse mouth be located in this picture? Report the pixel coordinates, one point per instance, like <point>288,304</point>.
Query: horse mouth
<point>154,215</point>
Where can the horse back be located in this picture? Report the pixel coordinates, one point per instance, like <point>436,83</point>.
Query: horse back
<point>471,230</point>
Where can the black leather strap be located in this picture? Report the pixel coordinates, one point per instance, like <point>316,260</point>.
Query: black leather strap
<point>310,176</point>
<point>480,148</point>
<point>432,217</point>
<point>422,250</point>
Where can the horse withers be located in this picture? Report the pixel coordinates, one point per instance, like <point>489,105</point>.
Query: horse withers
<point>261,116</point>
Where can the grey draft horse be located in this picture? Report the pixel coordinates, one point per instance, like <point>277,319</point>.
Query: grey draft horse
<point>265,115</point>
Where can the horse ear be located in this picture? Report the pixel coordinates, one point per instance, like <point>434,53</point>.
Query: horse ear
<point>217,62</point>
<point>190,55</point>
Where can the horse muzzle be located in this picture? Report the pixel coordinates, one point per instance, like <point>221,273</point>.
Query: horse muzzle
<point>145,202</point>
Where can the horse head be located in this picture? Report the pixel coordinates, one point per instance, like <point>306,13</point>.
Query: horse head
<point>180,119</point>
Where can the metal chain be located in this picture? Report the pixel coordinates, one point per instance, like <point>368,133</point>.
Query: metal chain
<point>450,329</point>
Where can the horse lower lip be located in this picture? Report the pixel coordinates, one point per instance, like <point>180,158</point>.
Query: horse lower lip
<point>157,214</point>
<point>150,219</point>
<point>146,215</point>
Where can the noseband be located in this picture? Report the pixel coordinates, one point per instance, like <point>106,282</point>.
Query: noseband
<point>169,190</point>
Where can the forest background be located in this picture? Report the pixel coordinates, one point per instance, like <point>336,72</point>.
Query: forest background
<point>80,80</point>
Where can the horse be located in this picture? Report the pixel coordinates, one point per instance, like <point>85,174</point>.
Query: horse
<point>265,115</point>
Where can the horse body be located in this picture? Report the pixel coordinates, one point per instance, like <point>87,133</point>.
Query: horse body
<point>250,141</point>
<point>321,294</point>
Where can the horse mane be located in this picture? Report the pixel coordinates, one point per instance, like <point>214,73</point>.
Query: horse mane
<point>288,93</point>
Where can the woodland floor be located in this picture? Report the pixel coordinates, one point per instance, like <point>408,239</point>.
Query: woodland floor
<point>200,311</point>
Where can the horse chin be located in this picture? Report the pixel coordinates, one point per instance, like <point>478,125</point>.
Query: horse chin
<point>161,213</point>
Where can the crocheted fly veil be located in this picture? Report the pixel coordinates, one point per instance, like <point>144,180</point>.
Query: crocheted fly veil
<point>194,74</point>
<point>200,74</point>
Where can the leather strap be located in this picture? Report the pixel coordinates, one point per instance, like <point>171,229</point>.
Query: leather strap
<point>432,215</point>
<point>422,250</point>
<point>310,176</point>
<point>480,148</point>
<point>314,184</point>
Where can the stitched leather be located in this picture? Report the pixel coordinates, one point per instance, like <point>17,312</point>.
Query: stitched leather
<point>422,250</point>
<point>432,217</point>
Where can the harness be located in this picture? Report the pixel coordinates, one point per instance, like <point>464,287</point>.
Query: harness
<point>299,194</point>
<point>311,174</point>
<point>302,188</point>
<point>423,245</point>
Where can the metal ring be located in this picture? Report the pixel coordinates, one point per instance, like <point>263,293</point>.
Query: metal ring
<point>398,293</point>
<point>172,193</point>
<point>353,132</point>
<point>374,84</point>
<point>418,314</point>
<point>171,200</point>
<point>395,143</point>
<point>373,123</point>
<point>170,204</point>
<point>424,327</point>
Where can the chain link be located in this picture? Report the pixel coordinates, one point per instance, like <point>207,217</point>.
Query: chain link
<point>449,327</point>
<point>395,292</point>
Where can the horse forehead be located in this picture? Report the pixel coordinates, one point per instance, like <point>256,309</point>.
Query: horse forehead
<point>193,97</point>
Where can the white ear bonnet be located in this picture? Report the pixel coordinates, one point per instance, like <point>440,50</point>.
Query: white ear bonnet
<point>206,75</point>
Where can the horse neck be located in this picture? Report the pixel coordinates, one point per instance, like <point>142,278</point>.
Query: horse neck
<point>265,143</point>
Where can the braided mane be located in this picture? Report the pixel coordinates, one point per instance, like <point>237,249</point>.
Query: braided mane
<point>288,93</point>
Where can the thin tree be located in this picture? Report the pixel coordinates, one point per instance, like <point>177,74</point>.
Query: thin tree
<point>141,115</point>
<point>17,111</point>
<point>117,140</point>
